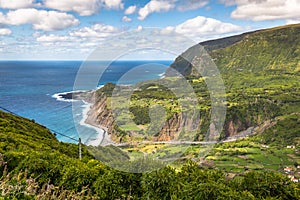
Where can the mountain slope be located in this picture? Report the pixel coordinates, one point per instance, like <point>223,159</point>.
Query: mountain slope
<point>34,165</point>
<point>261,75</point>
<point>20,134</point>
<point>260,70</point>
<point>273,50</point>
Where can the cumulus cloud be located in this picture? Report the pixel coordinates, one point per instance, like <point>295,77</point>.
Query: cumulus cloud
<point>166,5</point>
<point>112,4</point>
<point>52,38</point>
<point>5,31</point>
<point>228,2</point>
<point>139,29</point>
<point>82,37</point>
<point>293,21</point>
<point>39,19</point>
<point>100,31</point>
<point>126,19</point>
<point>155,6</point>
<point>16,4</point>
<point>202,28</point>
<point>130,10</point>
<point>82,7</point>
<point>191,4</point>
<point>260,10</point>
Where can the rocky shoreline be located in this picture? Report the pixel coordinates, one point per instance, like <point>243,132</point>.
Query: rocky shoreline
<point>103,138</point>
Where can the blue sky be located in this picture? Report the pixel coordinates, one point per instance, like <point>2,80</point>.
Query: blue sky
<point>73,29</point>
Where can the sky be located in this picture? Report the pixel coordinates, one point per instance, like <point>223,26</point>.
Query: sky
<point>74,29</point>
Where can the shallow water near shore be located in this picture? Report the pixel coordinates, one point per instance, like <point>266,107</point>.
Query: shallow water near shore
<point>31,88</point>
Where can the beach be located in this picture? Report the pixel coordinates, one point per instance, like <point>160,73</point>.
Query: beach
<point>102,139</point>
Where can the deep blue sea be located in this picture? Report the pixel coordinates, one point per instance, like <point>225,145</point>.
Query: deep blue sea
<point>27,88</point>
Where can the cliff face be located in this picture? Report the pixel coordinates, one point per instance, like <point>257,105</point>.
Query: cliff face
<point>171,128</point>
<point>233,128</point>
<point>100,115</point>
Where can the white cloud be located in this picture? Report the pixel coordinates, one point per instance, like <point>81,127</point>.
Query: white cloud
<point>112,4</point>
<point>155,6</point>
<point>185,5</point>
<point>40,19</point>
<point>5,31</point>
<point>52,38</point>
<point>293,21</point>
<point>16,4</point>
<point>167,5</point>
<point>260,10</point>
<point>126,19</point>
<point>139,29</point>
<point>82,7</point>
<point>228,2</point>
<point>201,28</point>
<point>88,44</point>
<point>130,10</point>
<point>100,31</point>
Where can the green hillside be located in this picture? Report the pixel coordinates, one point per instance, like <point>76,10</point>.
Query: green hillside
<point>260,71</point>
<point>275,50</point>
<point>34,165</point>
<point>261,76</point>
<point>256,97</point>
<point>257,89</point>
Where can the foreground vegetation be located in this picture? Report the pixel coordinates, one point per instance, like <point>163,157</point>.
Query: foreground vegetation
<point>35,165</point>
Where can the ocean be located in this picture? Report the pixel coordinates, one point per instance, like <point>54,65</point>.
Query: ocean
<point>30,89</point>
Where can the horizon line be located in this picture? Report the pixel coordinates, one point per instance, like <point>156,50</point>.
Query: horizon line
<point>82,60</point>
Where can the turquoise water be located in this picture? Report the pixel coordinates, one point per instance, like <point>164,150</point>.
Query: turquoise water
<point>27,88</point>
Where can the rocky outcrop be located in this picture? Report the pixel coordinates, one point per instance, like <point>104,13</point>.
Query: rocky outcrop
<point>232,128</point>
<point>100,115</point>
<point>170,129</point>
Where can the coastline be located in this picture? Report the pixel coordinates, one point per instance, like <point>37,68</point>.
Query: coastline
<point>102,139</point>
<point>71,96</point>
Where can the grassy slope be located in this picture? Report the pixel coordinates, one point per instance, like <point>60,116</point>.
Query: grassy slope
<point>268,150</point>
<point>269,50</point>
<point>40,161</point>
<point>21,135</point>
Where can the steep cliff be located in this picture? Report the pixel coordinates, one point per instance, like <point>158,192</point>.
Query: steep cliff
<point>101,115</point>
<point>272,50</point>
